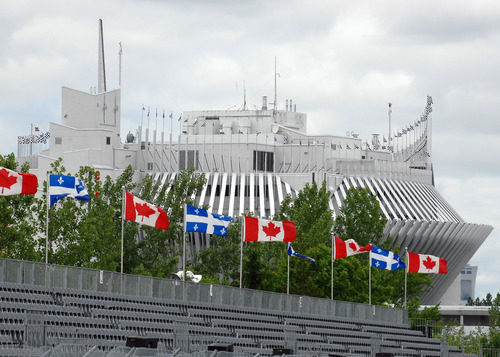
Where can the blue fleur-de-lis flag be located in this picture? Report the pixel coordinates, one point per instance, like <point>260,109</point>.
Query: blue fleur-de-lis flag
<point>202,221</point>
<point>384,259</point>
<point>61,186</point>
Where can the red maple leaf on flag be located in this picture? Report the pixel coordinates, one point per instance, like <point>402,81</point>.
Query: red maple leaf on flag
<point>353,246</point>
<point>6,181</point>
<point>144,210</point>
<point>271,230</point>
<point>429,263</point>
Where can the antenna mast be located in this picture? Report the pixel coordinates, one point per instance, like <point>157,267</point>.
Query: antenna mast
<point>276,74</point>
<point>120,52</point>
<point>244,96</point>
<point>389,136</point>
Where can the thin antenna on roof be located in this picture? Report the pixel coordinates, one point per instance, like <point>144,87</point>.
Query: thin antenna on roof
<point>244,96</point>
<point>389,137</point>
<point>276,75</point>
<point>120,52</point>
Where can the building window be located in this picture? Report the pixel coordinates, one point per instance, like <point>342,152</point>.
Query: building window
<point>333,146</point>
<point>263,161</point>
<point>108,140</point>
<point>466,290</point>
<point>193,159</point>
<point>150,166</point>
<point>58,140</point>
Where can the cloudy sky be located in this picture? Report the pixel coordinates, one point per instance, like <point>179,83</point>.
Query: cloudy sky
<point>341,62</point>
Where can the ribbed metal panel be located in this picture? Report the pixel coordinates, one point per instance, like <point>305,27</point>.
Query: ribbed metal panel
<point>242,195</point>
<point>252,193</point>
<point>417,216</point>
<point>287,188</point>
<point>420,219</point>
<point>222,195</point>
<point>232,192</point>
<point>161,184</point>
<point>403,200</point>
<point>271,194</point>
<point>201,202</point>
<point>171,182</point>
<point>279,189</point>
<point>262,196</point>
<point>213,192</point>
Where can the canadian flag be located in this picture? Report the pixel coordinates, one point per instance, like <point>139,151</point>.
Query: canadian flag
<point>349,247</point>
<point>424,263</point>
<point>17,183</point>
<point>142,212</point>
<point>263,230</point>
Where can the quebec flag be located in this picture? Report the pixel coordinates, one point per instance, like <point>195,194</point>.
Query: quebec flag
<point>61,186</point>
<point>384,259</point>
<point>201,221</point>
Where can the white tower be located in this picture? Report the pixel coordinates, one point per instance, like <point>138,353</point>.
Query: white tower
<point>101,69</point>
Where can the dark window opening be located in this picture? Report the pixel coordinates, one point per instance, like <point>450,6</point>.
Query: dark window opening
<point>263,161</point>
<point>192,159</point>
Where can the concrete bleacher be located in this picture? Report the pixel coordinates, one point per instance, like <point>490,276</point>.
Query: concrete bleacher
<point>45,307</point>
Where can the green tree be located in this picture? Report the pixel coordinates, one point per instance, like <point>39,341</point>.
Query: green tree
<point>488,300</point>
<point>469,342</point>
<point>17,216</point>
<point>100,227</point>
<point>221,260</point>
<point>494,315</point>
<point>261,266</point>
<point>360,218</point>
<point>307,278</point>
<point>160,251</point>
<point>311,214</point>
<point>313,220</point>
<point>88,234</point>
<point>427,313</point>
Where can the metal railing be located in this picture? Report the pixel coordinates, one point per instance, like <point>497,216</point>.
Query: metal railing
<point>66,277</point>
<point>455,335</point>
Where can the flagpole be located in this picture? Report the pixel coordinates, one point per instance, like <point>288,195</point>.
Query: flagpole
<point>288,272</point>
<point>154,141</point>
<point>241,252</point>
<point>123,220</point>
<point>184,247</point>
<point>171,151</point>
<point>406,275</point>
<point>163,164</point>
<point>370,279</point>
<point>47,222</point>
<point>331,272</point>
